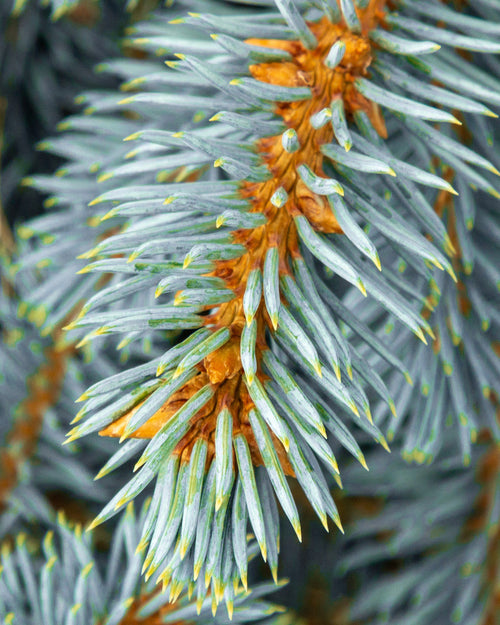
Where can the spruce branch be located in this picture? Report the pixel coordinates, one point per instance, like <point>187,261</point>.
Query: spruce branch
<point>43,389</point>
<point>245,262</point>
<point>65,580</point>
<point>44,64</point>
<point>456,379</point>
<point>459,374</point>
<point>430,531</point>
<point>39,377</point>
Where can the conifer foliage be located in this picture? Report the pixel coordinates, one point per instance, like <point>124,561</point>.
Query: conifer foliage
<point>44,46</point>
<point>65,582</point>
<point>286,221</point>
